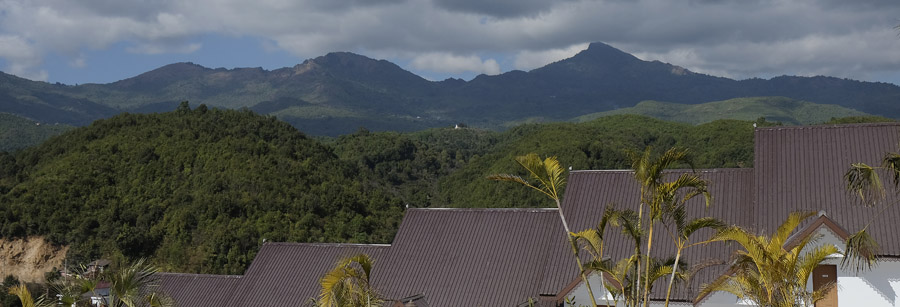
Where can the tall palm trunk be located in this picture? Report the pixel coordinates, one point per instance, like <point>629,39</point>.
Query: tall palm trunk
<point>602,281</point>
<point>574,246</point>
<point>647,279</point>
<point>637,251</point>
<point>672,277</point>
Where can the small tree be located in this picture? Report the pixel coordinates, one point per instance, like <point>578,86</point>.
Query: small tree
<point>681,235</point>
<point>661,197</point>
<point>348,285</point>
<point>26,299</point>
<point>769,273</point>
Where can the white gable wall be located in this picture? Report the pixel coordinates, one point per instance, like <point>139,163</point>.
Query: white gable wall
<point>580,294</point>
<point>877,288</point>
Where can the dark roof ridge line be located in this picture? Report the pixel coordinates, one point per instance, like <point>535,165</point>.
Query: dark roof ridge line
<point>673,170</point>
<point>486,209</point>
<point>828,126</point>
<point>198,275</point>
<point>327,244</point>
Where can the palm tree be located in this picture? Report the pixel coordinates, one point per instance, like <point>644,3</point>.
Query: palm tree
<point>26,299</point>
<point>661,197</point>
<point>347,284</point>
<point>131,285</point>
<point>624,275</point>
<point>681,236</point>
<point>127,284</point>
<point>626,271</point>
<point>550,180</point>
<point>769,273</point>
<point>863,181</point>
<point>593,239</point>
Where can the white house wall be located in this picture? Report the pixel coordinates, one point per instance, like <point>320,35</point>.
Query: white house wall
<point>877,288</point>
<point>580,296</point>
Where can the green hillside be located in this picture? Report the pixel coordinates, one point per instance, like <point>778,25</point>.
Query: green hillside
<point>17,132</point>
<point>779,109</point>
<point>196,190</point>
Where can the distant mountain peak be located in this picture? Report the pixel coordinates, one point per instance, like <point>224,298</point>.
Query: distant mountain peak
<point>349,60</point>
<point>165,74</point>
<point>601,51</point>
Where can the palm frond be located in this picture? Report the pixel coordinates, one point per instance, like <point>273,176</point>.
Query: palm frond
<point>787,227</point>
<point>347,284</point>
<point>811,259</point>
<point>25,298</point>
<point>157,299</point>
<point>701,223</point>
<point>549,175</point>
<point>891,162</point>
<point>591,240</point>
<point>669,159</point>
<point>860,252</point>
<point>863,181</point>
<point>610,217</point>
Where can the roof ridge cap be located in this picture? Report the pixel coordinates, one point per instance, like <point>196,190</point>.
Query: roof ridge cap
<point>199,275</point>
<point>828,126</point>
<point>327,244</point>
<point>486,209</point>
<point>698,170</point>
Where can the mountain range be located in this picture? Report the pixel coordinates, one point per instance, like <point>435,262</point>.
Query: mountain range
<point>340,92</point>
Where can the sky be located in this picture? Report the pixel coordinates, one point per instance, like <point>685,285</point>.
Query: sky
<point>101,41</point>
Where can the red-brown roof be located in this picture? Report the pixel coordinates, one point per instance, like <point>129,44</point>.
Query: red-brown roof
<point>287,274</point>
<point>589,192</point>
<point>802,168</point>
<point>469,257</point>
<point>198,290</point>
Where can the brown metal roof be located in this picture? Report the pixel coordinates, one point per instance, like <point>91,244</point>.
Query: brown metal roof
<point>802,168</point>
<point>287,274</point>
<point>198,290</point>
<point>589,192</point>
<point>469,257</point>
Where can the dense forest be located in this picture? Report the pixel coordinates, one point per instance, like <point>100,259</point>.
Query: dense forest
<point>17,132</point>
<point>198,190</point>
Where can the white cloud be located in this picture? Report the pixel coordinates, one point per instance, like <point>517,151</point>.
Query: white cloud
<point>527,60</point>
<point>450,63</point>
<point>21,58</point>
<point>159,48</point>
<point>732,38</point>
<point>78,62</point>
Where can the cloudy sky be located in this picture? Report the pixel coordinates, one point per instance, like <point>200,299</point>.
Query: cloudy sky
<point>99,41</point>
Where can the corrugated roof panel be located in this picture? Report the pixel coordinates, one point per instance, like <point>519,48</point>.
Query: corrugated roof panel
<point>287,274</point>
<point>589,193</point>
<point>198,290</point>
<point>805,168</point>
<point>468,257</point>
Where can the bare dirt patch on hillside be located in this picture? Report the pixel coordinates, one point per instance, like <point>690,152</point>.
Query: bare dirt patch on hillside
<point>28,259</point>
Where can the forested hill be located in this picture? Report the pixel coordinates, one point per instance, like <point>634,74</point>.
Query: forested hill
<point>199,190</point>
<point>781,109</point>
<point>336,93</point>
<point>17,132</point>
